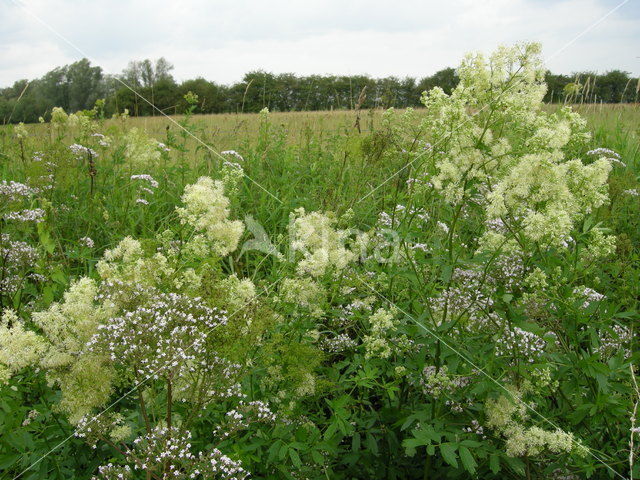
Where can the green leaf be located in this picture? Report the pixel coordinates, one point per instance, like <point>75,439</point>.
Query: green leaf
<point>467,460</point>
<point>494,463</point>
<point>295,458</point>
<point>317,457</point>
<point>448,451</point>
<point>355,442</point>
<point>372,445</point>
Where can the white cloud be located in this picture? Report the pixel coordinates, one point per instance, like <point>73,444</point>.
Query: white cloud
<point>222,40</point>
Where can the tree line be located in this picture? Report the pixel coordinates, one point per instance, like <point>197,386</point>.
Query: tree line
<point>80,85</point>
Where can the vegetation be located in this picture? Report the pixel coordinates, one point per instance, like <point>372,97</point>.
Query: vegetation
<point>448,292</point>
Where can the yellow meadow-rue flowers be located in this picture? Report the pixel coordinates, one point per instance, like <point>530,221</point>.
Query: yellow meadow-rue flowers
<point>87,384</point>
<point>127,262</point>
<point>69,324</point>
<point>506,415</point>
<point>238,291</point>
<point>206,209</point>
<point>381,324</point>
<point>599,246</point>
<point>141,151</point>
<point>321,244</point>
<point>65,327</point>
<point>304,292</point>
<point>502,149</point>
<point>59,116</point>
<point>19,347</point>
<point>548,197</point>
<point>20,131</point>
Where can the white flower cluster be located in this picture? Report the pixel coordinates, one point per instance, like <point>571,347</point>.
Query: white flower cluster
<point>607,153</point>
<point>469,295</point>
<point>232,153</point>
<point>103,140</point>
<point>166,453</point>
<point>13,191</point>
<point>28,215</point>
<point>17,258</point>
<point>338,343</point>
<point>113,472</point>
<point>242,416</point>
<point>164,337</point>
<point>437,381</point>
<point>588,295</point>
<point>476,428</point>
<point>519,343</point>
<point>152,185</point>
<point>80,151</point>
<point>86,242</point>
<point>616,339</point>
<point>147,178</point>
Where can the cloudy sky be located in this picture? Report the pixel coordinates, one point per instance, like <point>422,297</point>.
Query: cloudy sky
<point>221,40</point>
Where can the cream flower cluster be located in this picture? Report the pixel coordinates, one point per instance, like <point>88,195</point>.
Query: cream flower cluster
<point>499,145</point>
<point>322,245</point>
<point>507,414</point>
<point>141,151</point>
<point>381,325</point>
<point>206,210</point>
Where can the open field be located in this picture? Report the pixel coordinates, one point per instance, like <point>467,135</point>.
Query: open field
<point>229,130</point>
<point>450,292</point>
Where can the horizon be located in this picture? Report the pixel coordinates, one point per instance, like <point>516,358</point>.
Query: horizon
<point>325,74</point>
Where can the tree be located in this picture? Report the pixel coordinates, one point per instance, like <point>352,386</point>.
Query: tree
<point>84,84</point>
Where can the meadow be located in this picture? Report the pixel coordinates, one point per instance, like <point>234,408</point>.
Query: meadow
<point>445,292</point>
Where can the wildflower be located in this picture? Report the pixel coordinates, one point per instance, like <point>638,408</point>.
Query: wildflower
<point>19,347</point>
<point>86,242</point>
<point>506,415</point>
<point>12,191</point>
<point>304,292</point>
<point>30,417</point>
<point>322,245</point>
<point>29,215</point>
<point>381,324</point>
<point>588,295</point>
<point>206,209</point>
<point>233,153</point>
<point>103,140</point>
<point>338,343</point>
<point>520,343</point>
<point>59,116</point>
<point>176,328</point>
<point>80,151</point>
<point>141,151</point>
<point>20,131</point>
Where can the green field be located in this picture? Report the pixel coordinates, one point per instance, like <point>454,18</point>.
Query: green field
<point>449,292</point>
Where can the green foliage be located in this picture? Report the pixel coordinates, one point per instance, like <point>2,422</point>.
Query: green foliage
<point>450,293</point>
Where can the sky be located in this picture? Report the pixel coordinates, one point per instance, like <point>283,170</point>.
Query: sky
<point>222,40</point>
